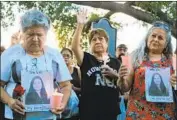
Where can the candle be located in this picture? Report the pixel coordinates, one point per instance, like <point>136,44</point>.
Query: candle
<point>56,99</point>
<point>174,67</point>
<point>126,60</point>
<point>174,62</point>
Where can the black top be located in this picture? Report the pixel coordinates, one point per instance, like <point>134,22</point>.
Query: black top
<point>75,76</point>
<point>99,95</point>
<point>33,98</point>
<point>158,92</point>
<point>119,59</point>
<point>75,81</point>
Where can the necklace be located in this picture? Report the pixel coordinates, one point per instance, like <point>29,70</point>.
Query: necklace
<point>155,64</point>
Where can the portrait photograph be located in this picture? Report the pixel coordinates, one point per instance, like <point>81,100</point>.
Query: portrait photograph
<point>157,84</point>
<point>38,92</point>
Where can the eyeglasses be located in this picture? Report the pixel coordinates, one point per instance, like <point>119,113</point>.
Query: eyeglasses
<point>122,49</point>
<point>66,55</point>
<point>162,25</point>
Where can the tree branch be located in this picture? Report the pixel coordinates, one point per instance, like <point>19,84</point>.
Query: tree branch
<point>129,10</point>
<point>130,3</point>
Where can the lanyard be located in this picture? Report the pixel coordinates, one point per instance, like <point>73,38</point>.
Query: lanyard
<point>34,61</point>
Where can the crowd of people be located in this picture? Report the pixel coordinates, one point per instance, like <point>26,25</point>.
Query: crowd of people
<point>99,80</point>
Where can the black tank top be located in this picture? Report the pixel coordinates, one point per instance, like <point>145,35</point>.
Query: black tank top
<point>75,81</point>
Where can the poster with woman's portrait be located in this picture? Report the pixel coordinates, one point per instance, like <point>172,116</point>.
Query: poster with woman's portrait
<point>39,88</point>
<point>157,85</point>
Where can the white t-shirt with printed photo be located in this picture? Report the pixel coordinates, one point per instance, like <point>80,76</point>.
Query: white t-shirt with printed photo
<point>14,54</point>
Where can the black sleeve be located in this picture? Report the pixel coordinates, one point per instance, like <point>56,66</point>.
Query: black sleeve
<point>118,64</point>
<point>87,58</point>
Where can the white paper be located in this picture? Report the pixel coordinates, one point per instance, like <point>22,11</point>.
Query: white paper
<point>157,85</point>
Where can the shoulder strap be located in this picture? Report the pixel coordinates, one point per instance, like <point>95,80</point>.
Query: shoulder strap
<point>14,73</point>
<point>78,72</point>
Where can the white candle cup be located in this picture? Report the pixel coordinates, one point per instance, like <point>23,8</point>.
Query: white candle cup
<point>175,86</point>
<point>56,99</point>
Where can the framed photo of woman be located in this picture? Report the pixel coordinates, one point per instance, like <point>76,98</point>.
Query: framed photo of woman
<point>157,85</point>
<point>38,92</point>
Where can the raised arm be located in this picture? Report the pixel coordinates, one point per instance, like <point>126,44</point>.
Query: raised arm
<point>76,45</point>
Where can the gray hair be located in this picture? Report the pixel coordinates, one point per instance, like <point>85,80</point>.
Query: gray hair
<point>141,52</point>
<point>34,17</point>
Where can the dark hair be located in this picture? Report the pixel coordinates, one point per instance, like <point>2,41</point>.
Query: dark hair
<point>153,87</point>
<point>100,32</point>
<point>42,92</point>
<point>67,49</point>
<point>175,51</point>
<point>2,49</point>
<point>122,46</point>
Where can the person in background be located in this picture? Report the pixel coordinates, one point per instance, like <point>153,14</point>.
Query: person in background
<point>2,49</point>
<point>154,51</point>
<point>99,72</point>
<point>75,73</point>
<point>1,103</point>
<point>121,50</point>
<point>34,26</point>
<point>15,38</point>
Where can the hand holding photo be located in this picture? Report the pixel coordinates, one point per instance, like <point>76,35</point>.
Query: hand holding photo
<point>126,60</point>
<point>56,99</point>
<point>157,85</point>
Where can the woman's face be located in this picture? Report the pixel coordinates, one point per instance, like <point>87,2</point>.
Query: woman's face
<point>34,38</point>
<point>37,84</point>
<point>67,56</point>
<point>157,40</point>
<point>157,79</point>
<point>98,44</point>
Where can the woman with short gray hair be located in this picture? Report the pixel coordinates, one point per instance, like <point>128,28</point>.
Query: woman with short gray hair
<point>20,63</point>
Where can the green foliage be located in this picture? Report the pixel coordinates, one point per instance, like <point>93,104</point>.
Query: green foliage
<point>60,13</point>
<point>63,18</point>
<point>167,7</point>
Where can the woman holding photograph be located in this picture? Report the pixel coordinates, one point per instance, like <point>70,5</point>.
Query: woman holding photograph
<point>155,51</point>
<point>32,57</point>
<point>157,87</point>
<point>37,93</point>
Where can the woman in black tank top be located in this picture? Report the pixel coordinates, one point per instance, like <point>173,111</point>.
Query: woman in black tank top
<point>75,73</point>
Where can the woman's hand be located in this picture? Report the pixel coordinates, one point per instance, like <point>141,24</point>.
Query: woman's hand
<point>82,16</point>
<point>59,110</point>
<point>76,88</point>
<point>123,75</point>
<point>173,80</point>
<point>123,72</point>
<point>17,106</point>
<point>108,71</point>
